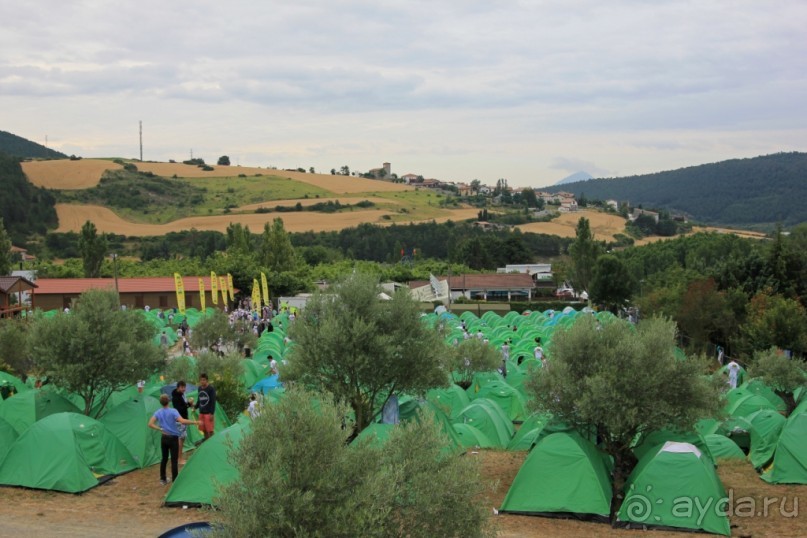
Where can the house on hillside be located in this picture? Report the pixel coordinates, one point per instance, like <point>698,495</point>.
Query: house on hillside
<point>16,296</point>
<point>385,172</point>
<point>21,254</point>
<point>411,179</point>
<point>568,206</point>
<point>638,212</point>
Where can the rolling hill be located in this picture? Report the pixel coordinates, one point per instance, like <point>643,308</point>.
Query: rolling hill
<point>754,193</point>
<point>17,146</point>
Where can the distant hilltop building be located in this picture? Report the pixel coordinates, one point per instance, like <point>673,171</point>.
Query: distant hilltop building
<point>385,172</point>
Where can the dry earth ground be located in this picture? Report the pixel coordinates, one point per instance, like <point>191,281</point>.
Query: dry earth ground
<point>67,174</point>
<point>131,506</point>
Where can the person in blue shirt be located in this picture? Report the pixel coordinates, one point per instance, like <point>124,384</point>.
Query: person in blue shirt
<point>165,421</point>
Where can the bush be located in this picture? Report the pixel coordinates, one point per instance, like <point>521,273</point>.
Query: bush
<point>225,375</point>
<point>300,478</point>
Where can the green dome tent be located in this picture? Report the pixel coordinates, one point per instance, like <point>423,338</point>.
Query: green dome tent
<point>488,417</point>
<point>376,434</point>
<point>563,475</point>
<point>653,441</point>
<point>535,428</point>
<point>723,448</point>
<point>790,459</point>
<point>664,481</point>
<point>65,452</point>
<point>449,400</point>
<point>28,407</point>
<point>766,426</point>
<point>471,437</point>
<point>509,399</point>
<point>7,436</point>
<point>747,405</point>
<point>757,386</point>
<point>128,421</point>
<point>209,465</point>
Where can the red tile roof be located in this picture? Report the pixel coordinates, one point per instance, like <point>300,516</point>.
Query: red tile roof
<point>154,284</point>
<point>492,281</point>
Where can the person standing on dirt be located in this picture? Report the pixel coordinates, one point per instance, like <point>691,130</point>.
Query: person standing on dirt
<point>206,405</point>
<point>168,420</point>
<point>181,404</point>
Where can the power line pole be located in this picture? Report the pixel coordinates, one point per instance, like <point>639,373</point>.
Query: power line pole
<point>141,141</point>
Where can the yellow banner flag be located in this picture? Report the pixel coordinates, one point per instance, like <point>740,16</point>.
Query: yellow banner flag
<point>214,291</point>
<point>180,287</point>
<point>256,296</point>
<point>264,288</point>
<point>230,286</point>
<point>223,287</point>
<point>202,293</point>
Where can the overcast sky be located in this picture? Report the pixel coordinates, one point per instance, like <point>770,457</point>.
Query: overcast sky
<point>531,91</point>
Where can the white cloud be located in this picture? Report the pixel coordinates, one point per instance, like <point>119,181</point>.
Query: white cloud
<point>453,88</point>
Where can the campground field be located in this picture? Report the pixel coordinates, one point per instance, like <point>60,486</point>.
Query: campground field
<point>131,506</point>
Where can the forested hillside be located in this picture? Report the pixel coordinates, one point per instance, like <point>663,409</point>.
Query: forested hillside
<point>25,209</point>
<point>16,146</point>
<point>756,192</point>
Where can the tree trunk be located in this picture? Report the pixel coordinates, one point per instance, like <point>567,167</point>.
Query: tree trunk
<point>624,462</point>
<point>789,400</point>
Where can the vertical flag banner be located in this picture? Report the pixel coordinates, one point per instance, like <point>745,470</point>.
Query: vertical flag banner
<point>230,286</point>
<point>180,293</point>
<point>214,291</point>
<point>202,293</point>
<point>264,288</point>
<point>223,287</point>
<point>256,296</point>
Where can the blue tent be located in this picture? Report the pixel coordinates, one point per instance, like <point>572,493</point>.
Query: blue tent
<point>266,384</point>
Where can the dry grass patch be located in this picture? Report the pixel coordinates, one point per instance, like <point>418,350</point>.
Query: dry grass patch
<point>67,174</point>
<point>305,202</point>
<point>604,226</point>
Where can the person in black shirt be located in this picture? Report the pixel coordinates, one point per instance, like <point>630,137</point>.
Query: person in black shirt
<point>181,405</point>
<point>206,405</point>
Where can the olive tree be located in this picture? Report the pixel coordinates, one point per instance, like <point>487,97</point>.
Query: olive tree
<point>623,383</point>
<point>363,349</point>
<point>784,375</point>
<point>299,477</point>
<point>471,356</point>
<point>96,349</point>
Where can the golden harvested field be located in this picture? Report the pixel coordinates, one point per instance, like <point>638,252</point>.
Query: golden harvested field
<point>747,234</point>
<point>335,184</point>
<point>603,225</point>
<point>67,174</point>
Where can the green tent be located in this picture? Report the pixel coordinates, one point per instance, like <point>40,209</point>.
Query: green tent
<point>7,436</point>
<point>488,417</point>
<point>375,434</point>
<point>757,386</point>
<point>723,448</point>
<point>410,409</point>
<point>766,426</point>
<point>564,474</point>
<point>481,379</point>
<point>667,487</point>
<point>24,409</point>
<point>470,437</point>
<point>128,421</point>
<point>790,459</point>
<point>748,404</point>
<point>14,383</point>
<point>509,399</point>
<point>535,428</point>
<point>449,400</point>
<point>209,465</point>
<point>652,442</point>
<point>65,452</point>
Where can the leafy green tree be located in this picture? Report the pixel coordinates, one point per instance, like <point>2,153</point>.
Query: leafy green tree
<point>705,314</point>
<point>345,170</point>
<point>775,321</point>
<point>224,160</point>
<point>475,185</point>
<point>93,248</point>
<point>611,282</point>
<point>212,327</point>
<point>5,250</point>
<point>530,199</point>
<point>238,238</point>
<point>15,353</point>
<point>469,357</point>
<point>622,383</point>
<point>782,374</point>
<point>363,349</point>
<point>96,349</point>
<point>584,252</point>
<point>297,455</point>
<point>277,253</point>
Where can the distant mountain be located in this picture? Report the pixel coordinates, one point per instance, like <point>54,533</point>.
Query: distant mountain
<point>574,178</point>
<point>756,192</point>
<point>16,146</point>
